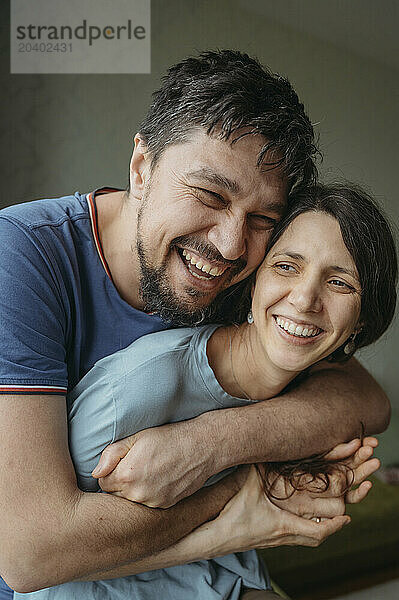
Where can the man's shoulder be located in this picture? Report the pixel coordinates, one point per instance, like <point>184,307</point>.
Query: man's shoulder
<point>48,211</point>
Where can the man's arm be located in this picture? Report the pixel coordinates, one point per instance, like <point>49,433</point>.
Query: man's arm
<point>327,408</point>
<point>51,531</point>
<point>251,519</point>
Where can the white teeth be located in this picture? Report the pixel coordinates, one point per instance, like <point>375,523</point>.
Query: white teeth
<point>197,276</point>
<point>206,268</point>
<point>297,330</point>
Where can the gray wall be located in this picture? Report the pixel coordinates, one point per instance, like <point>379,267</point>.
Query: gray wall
<point>74,132</point>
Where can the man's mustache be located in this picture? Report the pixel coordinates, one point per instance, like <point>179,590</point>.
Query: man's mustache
<point>210,252</point>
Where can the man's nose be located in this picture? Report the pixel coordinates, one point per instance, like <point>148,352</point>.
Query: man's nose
<point>306,296</point>
<point>229,236</point>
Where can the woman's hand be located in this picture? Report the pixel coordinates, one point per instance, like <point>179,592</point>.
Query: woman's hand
<point>157,466</point>
<point>250,520</point>
<point>355,466</point>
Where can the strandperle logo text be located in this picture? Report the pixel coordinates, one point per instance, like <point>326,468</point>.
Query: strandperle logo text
<point>84,31</point>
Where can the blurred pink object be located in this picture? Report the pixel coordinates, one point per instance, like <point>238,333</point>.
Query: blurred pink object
<point>389,474</point>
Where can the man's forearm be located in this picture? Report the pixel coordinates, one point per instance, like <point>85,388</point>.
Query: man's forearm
<point>106,532</point>
<point>195,546</point>
<point>327,408</point>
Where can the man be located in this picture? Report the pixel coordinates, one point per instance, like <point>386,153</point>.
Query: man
<point>222,145</point>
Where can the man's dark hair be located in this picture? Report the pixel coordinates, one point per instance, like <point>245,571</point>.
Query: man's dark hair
<point>230,95</point>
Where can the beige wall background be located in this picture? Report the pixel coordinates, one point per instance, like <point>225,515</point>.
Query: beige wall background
<point>62,133</point>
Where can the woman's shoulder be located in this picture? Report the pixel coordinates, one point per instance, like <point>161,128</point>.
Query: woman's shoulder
<point>156,347</point>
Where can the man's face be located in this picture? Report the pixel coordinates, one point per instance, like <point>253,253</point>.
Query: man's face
<point>204,222</point>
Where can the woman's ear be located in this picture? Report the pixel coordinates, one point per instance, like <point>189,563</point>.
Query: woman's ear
<point>252,289</point>
<point>139,167</point>
<point>358,327</point>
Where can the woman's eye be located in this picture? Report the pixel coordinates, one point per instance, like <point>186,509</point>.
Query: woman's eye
<point>342,285</point>
<point>286,267</point>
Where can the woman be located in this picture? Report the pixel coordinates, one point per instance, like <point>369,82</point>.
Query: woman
<point>325,288</point>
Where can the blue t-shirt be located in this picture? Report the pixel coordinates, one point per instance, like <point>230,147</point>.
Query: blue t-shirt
<point>59,309</point>
<point>161,378</point>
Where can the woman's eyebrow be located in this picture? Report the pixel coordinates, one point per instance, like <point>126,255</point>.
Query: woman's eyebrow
<point>296,256</point>
<point>214,178</point>
<point>346,271</point>
<point>293,255</point>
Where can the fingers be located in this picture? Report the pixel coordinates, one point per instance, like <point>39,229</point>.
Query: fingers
<point>345,450</point>
<point>362,455</point>
<point>110,457</point>
<point>310,533</point>
<point>370,441</point>
<point>324,507</point>
<point>363,466</point>
<point>365,470</point>
<point>327,527</point>
<point>359,478</point>
<point>359,494</point>
<point>109,484</point>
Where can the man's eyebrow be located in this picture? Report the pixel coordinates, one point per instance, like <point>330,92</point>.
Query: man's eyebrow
<point>207,174</point>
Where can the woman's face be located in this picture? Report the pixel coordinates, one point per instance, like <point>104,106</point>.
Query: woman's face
<point>307,297</point>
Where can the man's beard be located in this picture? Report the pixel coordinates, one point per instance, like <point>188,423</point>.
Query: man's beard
<point>159,297</point>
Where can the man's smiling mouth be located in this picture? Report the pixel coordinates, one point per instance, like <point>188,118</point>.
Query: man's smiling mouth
<point>199,267</point>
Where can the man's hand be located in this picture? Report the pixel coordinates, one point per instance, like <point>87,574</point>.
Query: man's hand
<point>354,467</point>
<point>157,466</point>
<point>153,468</point>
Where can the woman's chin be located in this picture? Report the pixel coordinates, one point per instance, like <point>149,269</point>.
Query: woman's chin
<point>299,359</point>
<point>287,362</point>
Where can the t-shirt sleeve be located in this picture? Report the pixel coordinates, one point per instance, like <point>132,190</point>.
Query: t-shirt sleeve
<point>32,315</point>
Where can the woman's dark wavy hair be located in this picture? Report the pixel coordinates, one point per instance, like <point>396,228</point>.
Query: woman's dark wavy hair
<point>370,241</point>
<point>224,92</point>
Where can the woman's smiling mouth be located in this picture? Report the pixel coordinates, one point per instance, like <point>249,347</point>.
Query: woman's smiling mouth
<point>298,330</point>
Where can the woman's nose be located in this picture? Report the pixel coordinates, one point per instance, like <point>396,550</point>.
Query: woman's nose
<point>305,296</point>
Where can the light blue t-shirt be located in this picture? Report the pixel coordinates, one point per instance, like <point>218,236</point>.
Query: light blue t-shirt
<point>160,378</point>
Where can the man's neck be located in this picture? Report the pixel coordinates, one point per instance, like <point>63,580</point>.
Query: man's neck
<point>117,227</point>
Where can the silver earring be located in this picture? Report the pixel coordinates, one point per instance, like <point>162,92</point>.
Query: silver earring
<point>250,317</point>
<point>350,346</point>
